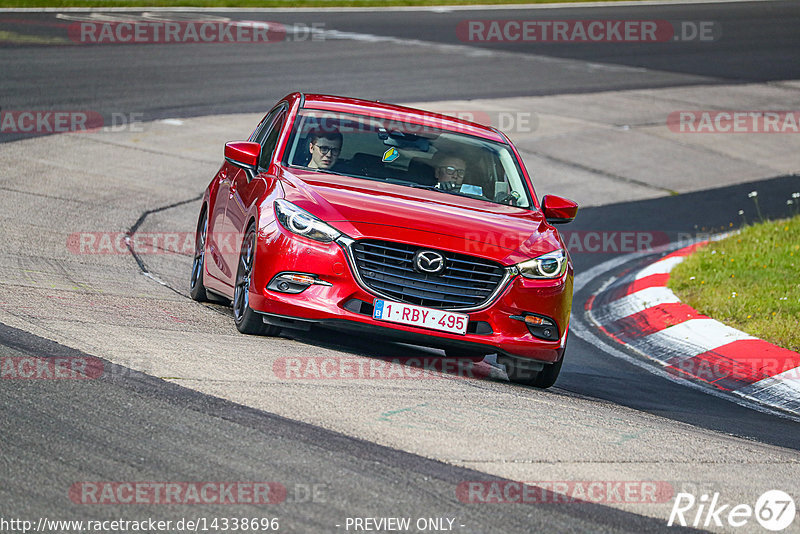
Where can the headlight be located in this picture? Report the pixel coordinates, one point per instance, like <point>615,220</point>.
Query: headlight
<point>300,222</point>
<point>550,265</point>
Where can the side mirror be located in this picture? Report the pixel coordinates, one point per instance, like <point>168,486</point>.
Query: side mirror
<point>243,154</point>
<point>558,210</point>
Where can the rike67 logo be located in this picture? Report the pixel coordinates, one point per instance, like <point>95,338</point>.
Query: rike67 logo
<point>774,510</point>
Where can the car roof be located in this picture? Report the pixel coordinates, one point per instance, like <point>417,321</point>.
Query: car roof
<point>343,104</point>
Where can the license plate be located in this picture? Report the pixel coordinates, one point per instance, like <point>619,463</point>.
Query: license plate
<point>397,312</point>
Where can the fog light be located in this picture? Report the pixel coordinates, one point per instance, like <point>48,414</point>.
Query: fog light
<point>536,321</point>
<point>539,326</point>
<point>293,283</point>
<point>306,279</point>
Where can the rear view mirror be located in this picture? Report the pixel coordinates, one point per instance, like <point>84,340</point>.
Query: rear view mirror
<point>558,210</point>
<point>403,140</point>
<point>243,154</point>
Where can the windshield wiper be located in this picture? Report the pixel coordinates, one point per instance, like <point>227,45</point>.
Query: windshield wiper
<point>423,186</point>
<point>416,185</point>
<point>448,191</point>
<point>398,181</point>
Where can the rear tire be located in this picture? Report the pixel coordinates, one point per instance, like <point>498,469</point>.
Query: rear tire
<point>248,321</point>
<point>196,288</point>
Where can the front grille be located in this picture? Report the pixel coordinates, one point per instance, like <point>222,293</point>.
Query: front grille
<point>387,267</point>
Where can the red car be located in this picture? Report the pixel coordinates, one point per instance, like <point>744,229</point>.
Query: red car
<point>388,221</point>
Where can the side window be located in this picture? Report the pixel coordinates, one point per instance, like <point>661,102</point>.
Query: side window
<point>271,141</point>
<point>263,127</point>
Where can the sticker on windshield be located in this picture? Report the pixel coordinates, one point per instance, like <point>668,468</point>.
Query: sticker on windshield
<point>390,155</point>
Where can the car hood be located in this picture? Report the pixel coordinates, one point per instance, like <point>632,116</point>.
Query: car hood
<point>363,208</point>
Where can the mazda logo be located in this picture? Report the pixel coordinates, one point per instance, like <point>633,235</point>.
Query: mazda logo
<point>428,261</point>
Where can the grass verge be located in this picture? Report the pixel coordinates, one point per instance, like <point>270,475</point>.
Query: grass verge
<point>750,281</point>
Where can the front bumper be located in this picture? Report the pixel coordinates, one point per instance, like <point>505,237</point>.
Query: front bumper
<point>343,303</point>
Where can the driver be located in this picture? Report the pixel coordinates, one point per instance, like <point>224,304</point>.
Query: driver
<point>325,147</point>
<point>449,171</point>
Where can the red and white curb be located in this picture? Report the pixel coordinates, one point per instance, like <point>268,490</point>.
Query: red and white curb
<point>639,311</point>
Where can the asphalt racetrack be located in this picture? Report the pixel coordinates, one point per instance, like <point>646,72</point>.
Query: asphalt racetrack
<point>184,398</point>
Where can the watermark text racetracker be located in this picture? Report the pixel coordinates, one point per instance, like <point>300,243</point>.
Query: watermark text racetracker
<point>182,32</point>
<point>728,373</point>
<point>734,121</point>
<point>509,121</point>
<point>142,242</point>
<point>586,31</point>
<point>355,368</point>
<point>49,368</point>
<point>564,491</point>
<point>39,121</point>
<point>600,241</point>
<point>185,493</point>
<point>191,493</point>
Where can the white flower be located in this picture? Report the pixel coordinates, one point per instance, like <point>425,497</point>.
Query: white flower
<point>733,294</point>
<point>691,278</point>
<point>795,195</point>
<point>784,298</point>
<point>741,212</point>
<point>752,194</point>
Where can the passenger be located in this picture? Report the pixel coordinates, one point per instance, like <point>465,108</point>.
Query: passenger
<point>325,147</point>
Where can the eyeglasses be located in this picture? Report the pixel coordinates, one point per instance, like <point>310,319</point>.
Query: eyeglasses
<point>450,171</point>
<point>325,149</point>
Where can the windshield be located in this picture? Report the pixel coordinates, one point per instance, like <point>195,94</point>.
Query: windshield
<point>407,154</point>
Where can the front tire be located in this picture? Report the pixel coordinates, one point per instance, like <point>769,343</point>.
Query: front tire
<point>248,321</point>
<point>548,376</point>
<point>519,373</point>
